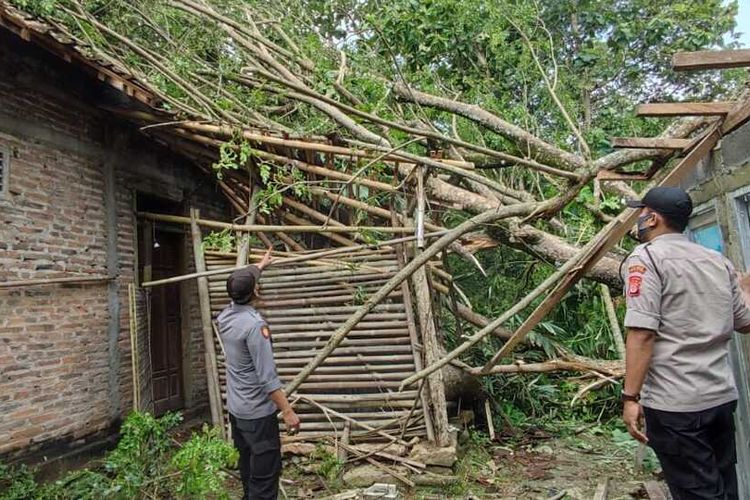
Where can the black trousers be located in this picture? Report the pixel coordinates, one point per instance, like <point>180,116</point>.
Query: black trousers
<point>259,445</point>
<point>696,450</point>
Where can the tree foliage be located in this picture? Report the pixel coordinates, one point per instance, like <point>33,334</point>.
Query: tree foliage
<point>556,78</point>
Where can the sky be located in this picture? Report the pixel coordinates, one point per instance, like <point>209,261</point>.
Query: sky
<point>743,23</point>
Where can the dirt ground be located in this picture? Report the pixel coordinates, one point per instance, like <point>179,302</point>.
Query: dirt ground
<point>540,467</point>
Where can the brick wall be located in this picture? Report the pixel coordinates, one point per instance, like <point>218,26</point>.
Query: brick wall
<point>59,378</point>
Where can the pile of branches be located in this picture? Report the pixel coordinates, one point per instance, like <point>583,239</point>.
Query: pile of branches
<point>281,115</point>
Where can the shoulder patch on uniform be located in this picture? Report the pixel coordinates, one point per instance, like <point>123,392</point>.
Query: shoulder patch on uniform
<point>634,285</point>
<point>637,268</point>
<point>265,331</point>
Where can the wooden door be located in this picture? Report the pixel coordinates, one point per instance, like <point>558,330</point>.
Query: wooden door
<point>166,326</point>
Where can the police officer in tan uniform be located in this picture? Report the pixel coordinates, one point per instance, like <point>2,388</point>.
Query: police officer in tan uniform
<point>683,303</point>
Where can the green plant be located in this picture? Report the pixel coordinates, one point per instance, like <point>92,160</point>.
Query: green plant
<point>328,464</point>
<point>233,155</point>
<point>220,241</point>
<point>147,463</point>
<point>200,462</point>
<point>139,461</point>
<point>16,482</point>
<point>360,295</point>
<point>626,443</point>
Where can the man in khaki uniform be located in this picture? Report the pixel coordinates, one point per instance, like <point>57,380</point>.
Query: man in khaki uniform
<point>683,303</point>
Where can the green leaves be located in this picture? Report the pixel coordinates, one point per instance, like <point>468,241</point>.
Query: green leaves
<point>233,155</point>
<point>200,462</point>
<point>147,463</point>
<point>219,241</point>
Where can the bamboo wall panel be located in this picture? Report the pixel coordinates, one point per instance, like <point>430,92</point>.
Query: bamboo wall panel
<point>304,304</point>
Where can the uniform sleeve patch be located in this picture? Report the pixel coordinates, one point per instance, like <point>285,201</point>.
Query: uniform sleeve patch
<point>637,269</point>
<point>265,331</point>
<point>634,285</point>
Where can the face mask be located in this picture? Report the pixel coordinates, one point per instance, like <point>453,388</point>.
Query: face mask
<point>642,227</point>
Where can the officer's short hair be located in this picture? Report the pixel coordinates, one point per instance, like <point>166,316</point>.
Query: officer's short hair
<point>678,224</point>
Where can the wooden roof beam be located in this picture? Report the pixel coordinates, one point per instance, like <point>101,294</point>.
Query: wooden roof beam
<point>685,109</point>
<point>711,59</point>
<point>650,143</point>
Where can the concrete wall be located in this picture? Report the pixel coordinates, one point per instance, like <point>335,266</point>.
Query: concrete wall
<point>718,187</point>
<point>65,367</point>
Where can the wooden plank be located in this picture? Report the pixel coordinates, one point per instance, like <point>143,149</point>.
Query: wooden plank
<point>650,143</point>
<point>737,117</point>
<point>711,59</point>
<point>685,108</point>
<point>608,175</point>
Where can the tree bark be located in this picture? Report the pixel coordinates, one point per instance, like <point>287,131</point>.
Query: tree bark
<point>543,151</point>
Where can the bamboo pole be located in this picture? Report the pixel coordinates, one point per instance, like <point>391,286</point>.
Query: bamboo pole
<point>243,249</point>
<point>496,323</point>
<point>325,172</point>
<point>315,402</point>
<point>365,207</point>
<point>614,324</point>
<point>134,347</point>
<point>420,207</point>
<point>55,281</point>
<point>303,258</point>
<point>307,145</point>
<point>178,219</point>
<point>212,373</point>
<point>294,219</point>
<point>290,242</point>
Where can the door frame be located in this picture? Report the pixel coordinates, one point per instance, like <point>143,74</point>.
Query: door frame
<point>144,240</point>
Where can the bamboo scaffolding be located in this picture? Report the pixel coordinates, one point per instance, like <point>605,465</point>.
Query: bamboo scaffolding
<point>394,282</point>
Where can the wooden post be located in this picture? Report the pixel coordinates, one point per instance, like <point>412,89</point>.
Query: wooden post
<point>432,355</point>
<point>413,337</point>
<point>212,373</point>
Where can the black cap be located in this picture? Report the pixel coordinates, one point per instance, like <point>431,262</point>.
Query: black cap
<point>241,284</point>
<point>672,202</point>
